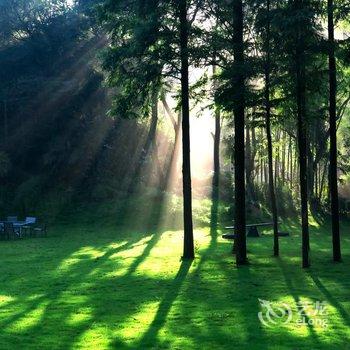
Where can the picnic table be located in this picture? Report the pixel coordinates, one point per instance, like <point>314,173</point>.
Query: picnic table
<point>20,228</point>
<point>252,230</point>
<point>17,225</point>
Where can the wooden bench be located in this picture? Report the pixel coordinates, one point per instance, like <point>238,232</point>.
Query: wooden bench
<point>252,230</point>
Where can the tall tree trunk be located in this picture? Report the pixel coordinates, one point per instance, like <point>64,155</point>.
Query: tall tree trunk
<point>277,156</point>
<point>322,183</point>
<point>333,166</point>
<point>269,136</point>
<point>239,147</point>
<point>249,166</point>
<point>5,123</point>
<point>217,138</point>
<point>283,167</point>
<point>311,179</point>
<point>254,152</point>
<point>148,146</point>
<point>302,135</point>
<point>288,158</point>
<point>291,169</point>
<point>188,251</point>
<point>173,161</point>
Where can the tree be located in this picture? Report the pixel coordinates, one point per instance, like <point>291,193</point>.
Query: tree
<point>216,151</point>
<point>268,128</point>
<point>228,53</point>
<point>149,44</point>
<point>239,142</point>
<point>188,252</point>
<point>300,68</point>
<point>333,162</point>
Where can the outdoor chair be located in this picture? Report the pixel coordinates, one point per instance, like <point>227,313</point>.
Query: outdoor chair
<point>2,232</point>
<point>30,220</point>
<point>40,230</point>
<point>9,231</point>
<point>28,227</point>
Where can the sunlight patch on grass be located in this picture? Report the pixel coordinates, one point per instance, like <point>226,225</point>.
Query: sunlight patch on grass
<point>6,299</point>
<point>30,319</point>
<point>84,253</point>
<point>81,315</point>
<point>97,337</point>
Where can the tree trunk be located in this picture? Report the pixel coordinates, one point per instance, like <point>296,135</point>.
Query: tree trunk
<point>217,138</point>
<point>269,137</point>
<point>302,138</point>
<point>333,166</point>
<point>277,156</point>
<point>291,169</point>
<point>239,147</point>
<point>188,251</point>
<point>283,167</point>
<point>5,123</point>
<point>249,166</point>
<point>148,145</point>
<point>254,152</point>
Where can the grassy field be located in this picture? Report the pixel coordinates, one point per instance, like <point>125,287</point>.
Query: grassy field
<point>103,287</point>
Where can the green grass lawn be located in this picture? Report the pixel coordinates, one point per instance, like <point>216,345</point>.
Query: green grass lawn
<point>102,287</point>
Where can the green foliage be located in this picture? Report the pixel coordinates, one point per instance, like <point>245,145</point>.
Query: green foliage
<point>144,50</point>
<point>27,194</point>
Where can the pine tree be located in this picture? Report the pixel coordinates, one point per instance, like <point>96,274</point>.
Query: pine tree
<point>300,69</point>
<point>150,43</point>
<point>333,163</point>
<point>267,72</point>
<point>188,252</point>
<point>239,127</point>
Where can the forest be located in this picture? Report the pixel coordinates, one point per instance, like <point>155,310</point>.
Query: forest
<point>175,174</point>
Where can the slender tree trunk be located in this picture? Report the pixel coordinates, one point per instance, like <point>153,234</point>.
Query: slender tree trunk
<point>277,156</point>
<point>148,146</point>
<point>172,167</point>
<point>188,252</point>
<point>302,136</point>
<point>169,112</point>
<point>239,147</point>
<point>217,138</point>
<point>333,166</point>
<point>288,160</point>
<point>283,168</point>
<point>254,151</point>
<point>5,123</point>
<point>269,136</point>
<point>249,166</point>
<point>297,169</point>
<point>266,172</point>
<point>291,163</point>
<point>323,180</point>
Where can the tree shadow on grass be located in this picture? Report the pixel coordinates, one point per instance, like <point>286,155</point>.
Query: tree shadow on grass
<point>56,311</point>
<point>56,282</point>
<point>150,337</point>
<point>216,304</point>
<point>297,300</point>
<point>330,298</point>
